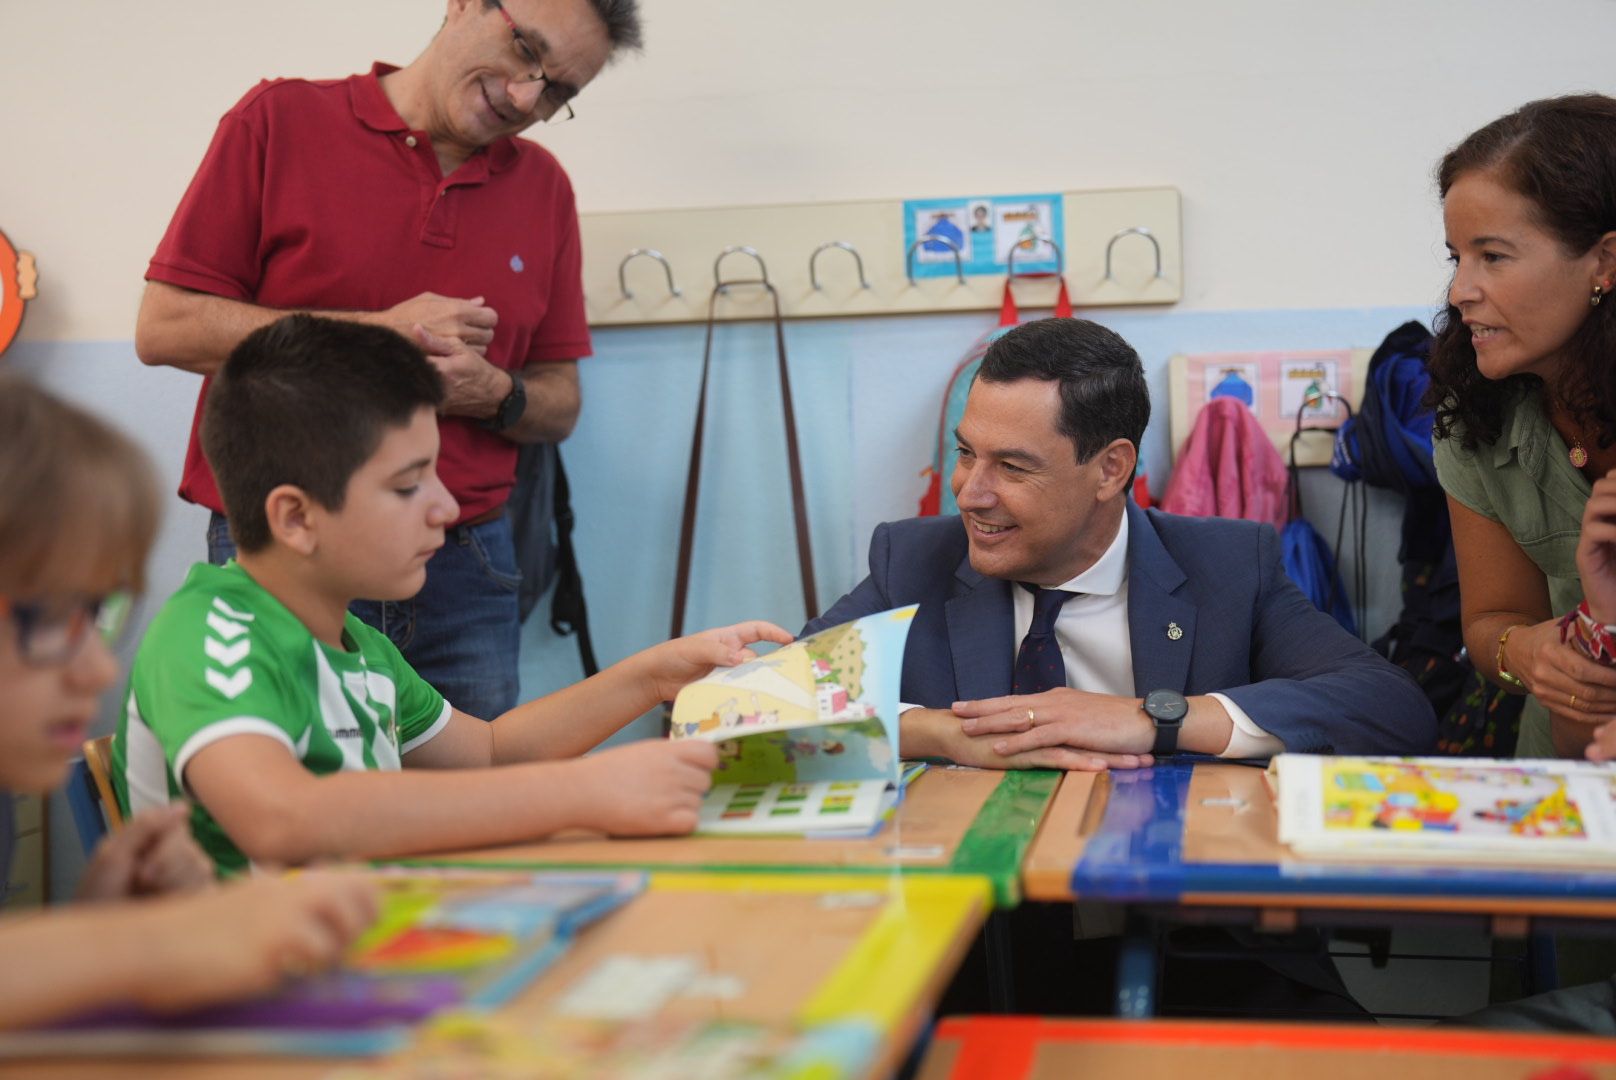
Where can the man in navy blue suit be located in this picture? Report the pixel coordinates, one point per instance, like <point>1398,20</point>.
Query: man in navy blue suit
<point>1060,626</point>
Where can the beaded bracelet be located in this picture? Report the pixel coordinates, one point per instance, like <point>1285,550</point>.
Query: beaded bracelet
<point>1596,640</point>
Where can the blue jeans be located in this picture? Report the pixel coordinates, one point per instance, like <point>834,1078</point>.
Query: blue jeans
<point>461,631</point>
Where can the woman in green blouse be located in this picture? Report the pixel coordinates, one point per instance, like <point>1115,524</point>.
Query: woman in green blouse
<point>1523,380</point>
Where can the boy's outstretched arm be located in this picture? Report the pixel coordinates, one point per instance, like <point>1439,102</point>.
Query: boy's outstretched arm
<point>222,943</point>
<point>571,721</point>
<point>276,811</point>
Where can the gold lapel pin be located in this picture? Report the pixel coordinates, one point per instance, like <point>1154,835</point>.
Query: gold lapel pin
<point>1174,631</point>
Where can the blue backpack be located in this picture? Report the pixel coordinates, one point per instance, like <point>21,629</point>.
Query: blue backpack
<point>1389,445</point>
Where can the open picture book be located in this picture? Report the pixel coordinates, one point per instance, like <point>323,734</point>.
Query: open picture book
<point>807,735</point>
<point>1537,813</point>
<point>444,940</point>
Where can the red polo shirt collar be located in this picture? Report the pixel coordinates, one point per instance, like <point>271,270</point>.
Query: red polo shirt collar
<point>371,107</point>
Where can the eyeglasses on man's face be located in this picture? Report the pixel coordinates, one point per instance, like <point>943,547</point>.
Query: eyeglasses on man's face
<point>52,630</point>
<point>555,101</point>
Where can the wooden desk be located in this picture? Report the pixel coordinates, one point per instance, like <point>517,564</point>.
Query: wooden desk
<point>1207,836</point>
<point>952,821</point>
<point>1016,1048</point>
<point>807,952</point>
<point>1198,842</point>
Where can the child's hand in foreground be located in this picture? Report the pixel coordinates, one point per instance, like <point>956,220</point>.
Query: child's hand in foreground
<point>1602,747</point>
<point>248,936</point>
<point>153,853</point>
<point>648,788</point>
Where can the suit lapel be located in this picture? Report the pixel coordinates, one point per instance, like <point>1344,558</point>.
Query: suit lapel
<point>981,633</point>
<point>1161,661</point>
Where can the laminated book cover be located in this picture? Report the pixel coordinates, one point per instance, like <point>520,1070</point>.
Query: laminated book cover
<point>807,735</point>
<point>657,1048</point>
<point>443,940</point>
<point>1526,812</point>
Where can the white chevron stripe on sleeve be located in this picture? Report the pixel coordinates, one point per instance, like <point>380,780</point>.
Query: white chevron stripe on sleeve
<point>231,686</point>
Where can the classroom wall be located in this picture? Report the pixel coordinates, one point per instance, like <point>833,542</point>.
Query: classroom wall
<point>1301,136</point>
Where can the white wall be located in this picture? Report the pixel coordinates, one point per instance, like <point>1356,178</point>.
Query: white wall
<point>1301,135</point>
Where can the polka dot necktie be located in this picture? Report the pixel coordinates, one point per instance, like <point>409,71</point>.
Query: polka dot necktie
<point>1039,666</point>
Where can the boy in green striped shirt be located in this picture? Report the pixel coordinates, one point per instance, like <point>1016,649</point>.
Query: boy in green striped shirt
<point>286,720</point>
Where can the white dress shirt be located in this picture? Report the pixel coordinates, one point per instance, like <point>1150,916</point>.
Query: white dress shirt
<point>1092,632</point>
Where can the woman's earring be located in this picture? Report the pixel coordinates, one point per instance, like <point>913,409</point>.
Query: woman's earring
<point>1599,295</point>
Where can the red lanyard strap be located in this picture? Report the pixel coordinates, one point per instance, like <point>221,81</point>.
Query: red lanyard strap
<point>1009,315</point>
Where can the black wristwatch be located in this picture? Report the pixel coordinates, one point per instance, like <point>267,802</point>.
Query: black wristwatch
<point>1166,709</point>
<point>511,408</point>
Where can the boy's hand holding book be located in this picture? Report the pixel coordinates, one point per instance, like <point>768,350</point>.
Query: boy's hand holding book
<point>667,668</point>
<point>649,788</point>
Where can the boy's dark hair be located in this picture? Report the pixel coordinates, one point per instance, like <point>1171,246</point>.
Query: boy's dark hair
<point>1560,154</point>
<point>306,401</point>
<point>1102,383</point>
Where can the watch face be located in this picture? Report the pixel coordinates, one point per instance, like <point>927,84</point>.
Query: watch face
<point>1166,705</point>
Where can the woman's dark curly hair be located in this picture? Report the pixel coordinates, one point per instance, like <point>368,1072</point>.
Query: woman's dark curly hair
<point>1560,153</point>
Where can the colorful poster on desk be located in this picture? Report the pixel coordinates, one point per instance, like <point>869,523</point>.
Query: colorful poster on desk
<point>807,735</point>
<point>1460,810</point>
<point>443,940</point>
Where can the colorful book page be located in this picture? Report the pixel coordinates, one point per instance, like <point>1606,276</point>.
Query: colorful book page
<point>821,711</point>
<point>1436,808</point>
<point>785,808</point>
<point>443,940</point>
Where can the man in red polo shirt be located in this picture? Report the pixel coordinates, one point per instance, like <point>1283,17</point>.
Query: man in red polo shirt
<point>402,197</point>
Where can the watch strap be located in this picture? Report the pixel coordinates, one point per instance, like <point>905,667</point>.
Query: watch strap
<point>511,406</point>
<point>1167,710</point>
<point>1166,742</point>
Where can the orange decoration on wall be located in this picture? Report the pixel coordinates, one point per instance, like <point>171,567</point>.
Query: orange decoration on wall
<point>19,282</point>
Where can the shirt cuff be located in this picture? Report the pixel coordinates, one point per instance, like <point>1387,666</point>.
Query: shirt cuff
<point>1247,740</point>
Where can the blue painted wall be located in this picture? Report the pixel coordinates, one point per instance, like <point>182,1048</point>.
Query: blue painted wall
<point>868,393</point>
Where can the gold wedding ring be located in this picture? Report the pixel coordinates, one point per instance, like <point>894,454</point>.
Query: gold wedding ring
<point>1032,717</point>
<point>1573,701</point>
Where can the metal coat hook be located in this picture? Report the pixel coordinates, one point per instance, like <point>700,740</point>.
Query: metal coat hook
<point>1133,230</point>
<point>1316,398</point>
<point>1060,256</point>
<point>909,258</point>
<point>650,253</point>
<point>741,249</point>
<point>813,273</point>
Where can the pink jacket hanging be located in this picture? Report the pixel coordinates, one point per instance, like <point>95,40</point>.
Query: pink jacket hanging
<point>1229,468</point>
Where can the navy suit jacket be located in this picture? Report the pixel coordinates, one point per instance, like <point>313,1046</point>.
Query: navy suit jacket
<point>1248,632</point>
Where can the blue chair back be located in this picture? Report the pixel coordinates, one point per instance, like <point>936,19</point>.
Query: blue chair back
<point>85,800</point>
